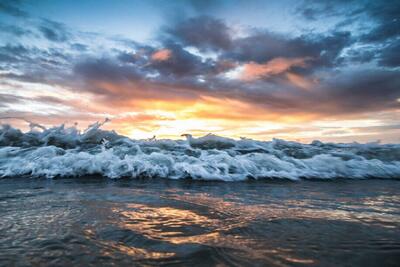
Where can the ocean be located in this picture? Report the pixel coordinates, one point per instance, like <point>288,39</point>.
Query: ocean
<point>96,198</point>
<point>68,152</point>
<point>95,221</point>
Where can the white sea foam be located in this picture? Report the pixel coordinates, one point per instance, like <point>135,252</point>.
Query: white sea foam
<point>67,152</point>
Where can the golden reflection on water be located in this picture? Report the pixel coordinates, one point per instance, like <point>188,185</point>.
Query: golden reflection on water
<point>140,253</point>
<point>368,211</point>
<point>135,252</point>
<point>181,226</point>
<point>167,223</point>
<point>224,223</point>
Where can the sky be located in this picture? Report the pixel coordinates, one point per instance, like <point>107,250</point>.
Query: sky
<point>295,70</point>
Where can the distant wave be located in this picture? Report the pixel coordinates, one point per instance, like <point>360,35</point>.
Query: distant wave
<point>68,152</point>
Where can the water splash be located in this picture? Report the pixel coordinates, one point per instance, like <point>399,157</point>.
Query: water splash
<point>68,152</point>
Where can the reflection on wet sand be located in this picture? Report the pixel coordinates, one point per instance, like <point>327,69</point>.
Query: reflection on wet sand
<point>381,210</point>
<point>183,227</point>
<point>248,224</point>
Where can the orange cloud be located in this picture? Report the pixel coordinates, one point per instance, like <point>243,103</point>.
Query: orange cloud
<point>300,81</point>
<point>253,71</point>
<point>142,116</point>
<point>161,55</point>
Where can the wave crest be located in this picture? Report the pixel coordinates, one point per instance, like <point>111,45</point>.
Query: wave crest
<point>68,152</point>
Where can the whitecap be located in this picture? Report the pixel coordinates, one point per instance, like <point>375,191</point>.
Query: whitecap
<point>67,152</point>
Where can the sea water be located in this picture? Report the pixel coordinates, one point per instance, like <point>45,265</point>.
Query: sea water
<point>96,198</point>
<point>95,221</point>
<point>67,152</point>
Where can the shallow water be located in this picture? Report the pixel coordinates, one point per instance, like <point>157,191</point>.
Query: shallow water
<point>97,222</point>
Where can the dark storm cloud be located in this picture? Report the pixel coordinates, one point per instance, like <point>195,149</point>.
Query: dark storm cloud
<point>260,47</point>
<point>127,57</point>
<point>360,91</point>
<point>139,56</point>
<point>341,94</point>
<point>54,31</point>
<point>203,32</point>
<point>120,84</point>
<point>105,69</point>
<point>126,76</point>
<point>180,63</point>
<point>207,33</point>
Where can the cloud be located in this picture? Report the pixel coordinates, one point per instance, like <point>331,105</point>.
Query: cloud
<point>14,30</point>
<point>313,10</point>
<point>377,129</point>
<point>104,70</point>
<point>390,56</point>
<point>18,55</point>
<point>376,25</point>
<point>126,84</point>
<point>188,66</point>
<point>204,32</point>
<point>180,63</point>
<point>209,34</point>
<point>386,15</point>
<point>361,91</point>
<point>361,55</point>
<point>382,16</point>
<point>253,71</point>
<point>263,46</point>
<point>54,31</point>
<point>34,65</point>
<point>12,53</point>
<point>28,77</point>
<point>12,8</point>
<point>6,99</point>
<point>339,95</point>
<point>161,55</point>
<point>300,81</point>
<point>79,47</point>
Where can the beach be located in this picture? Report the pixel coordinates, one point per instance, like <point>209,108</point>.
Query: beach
<point>95,221</point>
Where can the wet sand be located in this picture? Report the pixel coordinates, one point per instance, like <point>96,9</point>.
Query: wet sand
<point>100,222</point>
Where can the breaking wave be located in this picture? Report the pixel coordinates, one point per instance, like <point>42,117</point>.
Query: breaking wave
<point>67,152</point>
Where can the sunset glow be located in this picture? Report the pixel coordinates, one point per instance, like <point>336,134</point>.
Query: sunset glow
<point>211,71</point>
